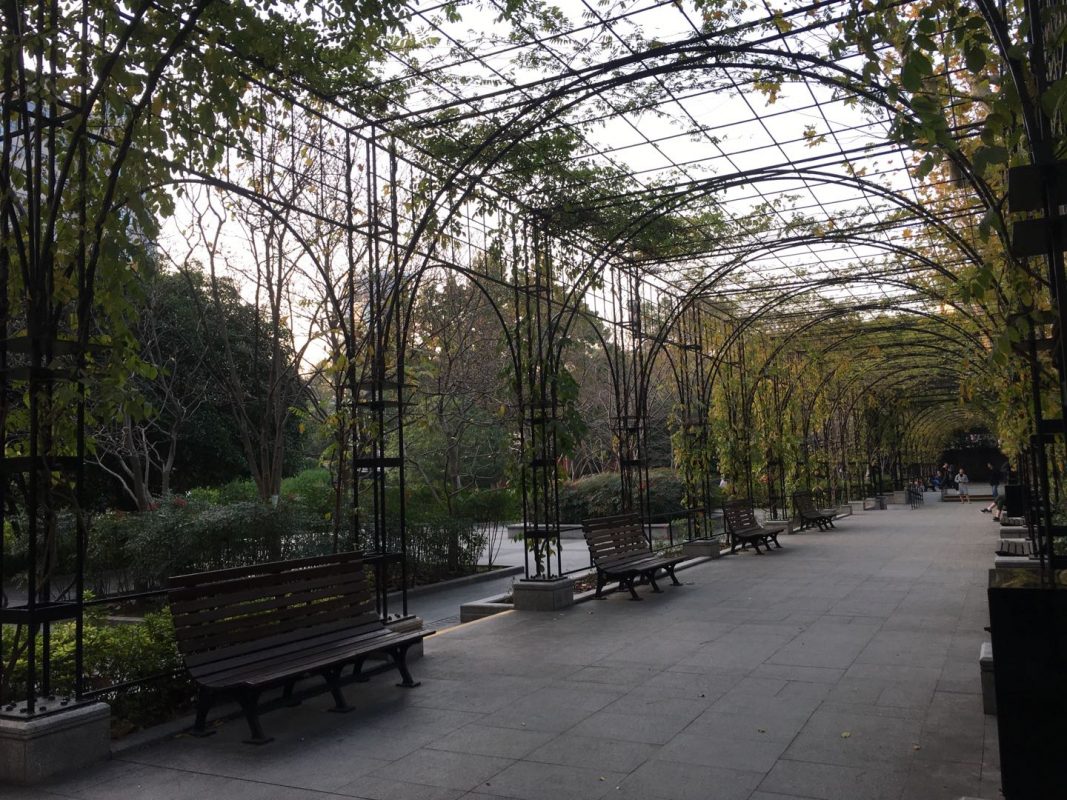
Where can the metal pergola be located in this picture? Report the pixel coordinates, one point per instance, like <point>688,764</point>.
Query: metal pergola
<point>726,193</point>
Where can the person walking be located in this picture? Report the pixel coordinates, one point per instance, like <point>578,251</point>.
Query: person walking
<point>962,485</point>
<point>994,479</point>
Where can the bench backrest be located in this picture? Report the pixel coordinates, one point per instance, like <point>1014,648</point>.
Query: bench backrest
<point>234,612</point>
<point>739,515</point>
<point>804,503</point>
<point>615,538</point>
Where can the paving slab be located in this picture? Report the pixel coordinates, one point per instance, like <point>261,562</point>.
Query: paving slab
<point>841,667</point>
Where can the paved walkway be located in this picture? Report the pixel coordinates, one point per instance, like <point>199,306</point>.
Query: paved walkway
<point>843,667</point>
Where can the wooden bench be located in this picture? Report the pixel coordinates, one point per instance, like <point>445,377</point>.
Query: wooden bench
<point>620,551</point>
<point>242,631</point>
<point>810,515</point>
<point>1017,547</point>
<point>743,529</point>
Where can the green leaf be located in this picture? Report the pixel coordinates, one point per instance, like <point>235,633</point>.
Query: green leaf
<point>988,156</point>
<point>910,76</point>
<point>975,59</point>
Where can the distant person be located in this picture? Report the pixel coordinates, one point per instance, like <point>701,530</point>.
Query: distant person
<point>994,479</point>
<point>950,481</point>
<point>963,485</point>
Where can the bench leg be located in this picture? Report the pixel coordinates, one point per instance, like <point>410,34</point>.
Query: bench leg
<point>651,577</point>
<point>357,670</point>
<point>400,656</point>
<point>601,579</point>
<point>629,584</point>
<point>733,543</point>
<point>204,698</point>
<point>332,677</point>
<point>287,695</point>
<point>774,538</point>
<point>671,575</point>
<point>249,700</point>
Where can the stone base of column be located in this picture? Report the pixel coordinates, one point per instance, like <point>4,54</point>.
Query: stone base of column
<point>32,750</point>
<point>550,595</point>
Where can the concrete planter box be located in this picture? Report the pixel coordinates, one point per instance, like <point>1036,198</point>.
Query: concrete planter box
<point>33,750</point>
<point>1016,562</point>
<point>856,506</point>
<point>486,607</point>
<point>876,503</point>
<point>1026,614</point>
<point>550,595</point>
<point>702,548</point>
<point>899,497</point>
<point>985,667</point>
<point>845,510</point>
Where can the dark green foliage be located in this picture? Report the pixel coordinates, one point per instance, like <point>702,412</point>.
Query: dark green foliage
<point>491,506</point>
<point>600,495</point>
<point>311,490</point>
<point>116,653</point>
<point>443,548</point>
<point>140,551</point>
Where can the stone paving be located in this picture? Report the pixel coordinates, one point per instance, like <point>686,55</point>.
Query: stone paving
<point>842,667</point>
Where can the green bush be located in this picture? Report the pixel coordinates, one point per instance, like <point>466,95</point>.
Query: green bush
<point>114,654</point>
<point>443,548</point>
<point>311,490</point>
<point>599,495</point>
<point>487,506</point>
<point>204,495</point>
<point>239,491</point>
<point>136,552</point>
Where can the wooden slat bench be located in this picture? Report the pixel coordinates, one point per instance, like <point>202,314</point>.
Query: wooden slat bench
<point>810,515</point>
<point>620,551</point>
<point>242,631</point>
<point>1016,547</point>
<point>743,529</point>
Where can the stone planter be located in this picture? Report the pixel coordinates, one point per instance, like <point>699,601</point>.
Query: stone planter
<point>1026,615</point>
<point>856,506</point>
<point>486,607</point>
<point>550,595</point>
<point>845,510</point>
<point>985,667</point>
<point>703,548</point>
<point>790,525</point>
<point>33,750</point>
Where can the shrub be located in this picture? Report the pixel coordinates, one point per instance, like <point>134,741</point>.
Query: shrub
<point>442,548</point>
<point>136,552</point>
<point>312,491</point>
<point>116,654</point>
<point>599,495</point>
<point>486,506</point>
<point>239,491</point>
